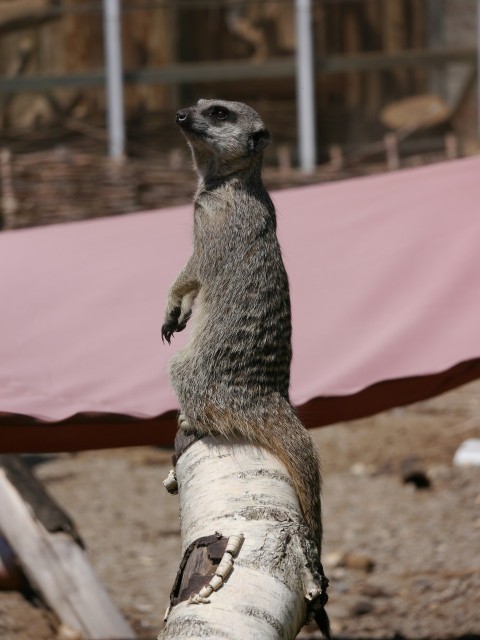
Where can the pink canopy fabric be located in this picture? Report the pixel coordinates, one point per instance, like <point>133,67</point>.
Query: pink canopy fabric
<point>385,284</point>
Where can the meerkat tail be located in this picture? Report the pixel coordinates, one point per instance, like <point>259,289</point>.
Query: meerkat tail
<point>290,442</point>
<point>279,431</point>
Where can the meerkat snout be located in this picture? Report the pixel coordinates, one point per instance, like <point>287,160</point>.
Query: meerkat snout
<point>181,117</point>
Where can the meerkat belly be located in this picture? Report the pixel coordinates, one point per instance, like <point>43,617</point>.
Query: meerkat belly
<point>240,344</point>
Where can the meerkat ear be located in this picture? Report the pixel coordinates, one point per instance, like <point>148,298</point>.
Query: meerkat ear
<point>258,140</point>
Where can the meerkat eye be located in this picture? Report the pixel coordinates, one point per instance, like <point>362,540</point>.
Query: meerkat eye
<point>220,113</point>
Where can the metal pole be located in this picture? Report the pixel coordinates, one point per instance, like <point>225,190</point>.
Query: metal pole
<point>114,77</point>
<point>305,79</point>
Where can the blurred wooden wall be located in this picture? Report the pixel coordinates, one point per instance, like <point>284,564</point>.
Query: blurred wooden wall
<point>260,30</point>
<point>354,27</point>
<point>47,42</point>
<point>37,39</point>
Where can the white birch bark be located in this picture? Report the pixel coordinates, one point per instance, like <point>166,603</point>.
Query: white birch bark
<point>237,488</point>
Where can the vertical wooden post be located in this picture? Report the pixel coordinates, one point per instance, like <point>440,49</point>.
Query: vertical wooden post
<point>374,92</point>
<point>435,11</point>
<point>353,45</point>
<point>391,149</point>
<point>8,202</point>
<point>394,31</point>
<point>419,40</point>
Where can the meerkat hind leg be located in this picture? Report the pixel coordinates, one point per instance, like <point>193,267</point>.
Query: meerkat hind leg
<point>184,424</point>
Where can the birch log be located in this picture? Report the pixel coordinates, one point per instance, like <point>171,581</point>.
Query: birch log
<point>237,489</point>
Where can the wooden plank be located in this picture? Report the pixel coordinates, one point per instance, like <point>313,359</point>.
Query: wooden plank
<point>59,569</point>
<point>21,8</point>
<point>25,14</point>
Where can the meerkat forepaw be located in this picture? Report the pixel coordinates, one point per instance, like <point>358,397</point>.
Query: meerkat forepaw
<point>175,321</point>
<point>171,324</point>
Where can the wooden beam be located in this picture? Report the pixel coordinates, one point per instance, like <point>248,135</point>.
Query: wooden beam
<point>25,14</point>
<point>19,8</point>
<point>53,562</point>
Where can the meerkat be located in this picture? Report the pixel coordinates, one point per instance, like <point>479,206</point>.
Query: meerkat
<point>232,379</point>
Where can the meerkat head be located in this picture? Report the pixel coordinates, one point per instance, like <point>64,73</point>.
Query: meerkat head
<point>225,137</point>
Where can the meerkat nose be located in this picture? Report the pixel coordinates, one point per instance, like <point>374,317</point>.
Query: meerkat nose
<point>181,117</point>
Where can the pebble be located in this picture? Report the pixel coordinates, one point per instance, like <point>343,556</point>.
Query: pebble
<point>67,633</point>
<point>361,608</point>
<point>373,591</point>
<point>352,560</point>
<point>359,561</point>
<point>468,453</point>
<point>333,559</point>
<point>362,470</point>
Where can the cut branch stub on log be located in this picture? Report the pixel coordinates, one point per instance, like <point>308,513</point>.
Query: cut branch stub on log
<point>230,489</point>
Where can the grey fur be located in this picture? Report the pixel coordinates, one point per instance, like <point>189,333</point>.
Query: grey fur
<point>233,377</point>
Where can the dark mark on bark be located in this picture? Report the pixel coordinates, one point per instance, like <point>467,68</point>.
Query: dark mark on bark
<point>263,513</point>
<point>271,474</point>
<point>192,627</point>
<point>261,614</point>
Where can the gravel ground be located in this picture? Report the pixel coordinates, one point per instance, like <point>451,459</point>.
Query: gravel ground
<point>403,562</point>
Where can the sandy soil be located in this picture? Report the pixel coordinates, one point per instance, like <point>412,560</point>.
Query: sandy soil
<point>424,544</point>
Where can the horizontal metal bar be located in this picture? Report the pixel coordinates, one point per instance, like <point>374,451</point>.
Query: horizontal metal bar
<point>171,74</point>
<point>408,58</point>
<point>183,73</point>
<point>47,82</point>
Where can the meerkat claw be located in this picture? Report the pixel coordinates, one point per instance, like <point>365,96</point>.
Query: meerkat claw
<point>171,324</point>
<point>167,333</point>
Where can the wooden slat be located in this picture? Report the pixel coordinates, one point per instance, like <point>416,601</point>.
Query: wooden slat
<point>394,37</point>
<point>25,14</point>
<point>436,36</point>
<point>373,97</point>
<point>21,8</point>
